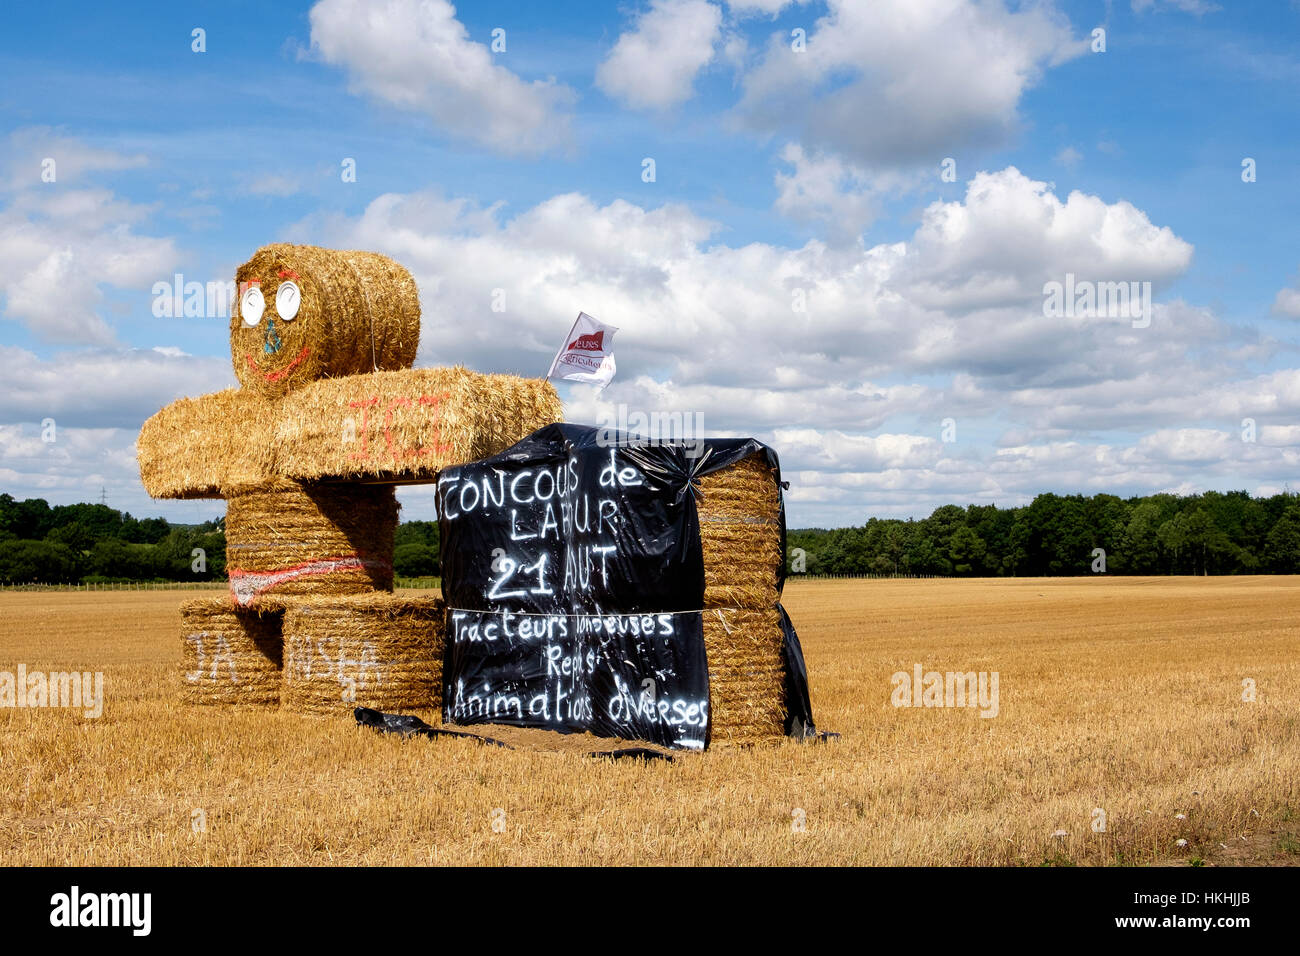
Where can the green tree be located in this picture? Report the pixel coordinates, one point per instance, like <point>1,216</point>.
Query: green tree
<point>924,558</point>
<point>1282,549</point>
<point>1107,518</point>
<point>1140,544</point>
<point>894,544</point>
<point>75,534</point>
<point>1072,535</point>
<point>415,560</point>
<point>993,525</point>
<point>114,559</point>
<point>30,520</point>
<point>176,558</point>
<point>26,562</point>
<point>417,532</point>
<point>1172,536</point>
<point>966,551</point>
<point>1205,540</point>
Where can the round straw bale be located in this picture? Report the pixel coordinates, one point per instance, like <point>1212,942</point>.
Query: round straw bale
<point>746,674</point>
<point>357,312</point>
<point>292,538</point>
<point>229,655</point>
<point>740,534</point>
<point>373,650</point>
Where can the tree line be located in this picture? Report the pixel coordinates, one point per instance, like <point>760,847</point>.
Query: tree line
<point>96,544</point>
<point>1211,533</point>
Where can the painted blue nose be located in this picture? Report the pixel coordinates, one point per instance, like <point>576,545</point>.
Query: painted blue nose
<point>271,342</point>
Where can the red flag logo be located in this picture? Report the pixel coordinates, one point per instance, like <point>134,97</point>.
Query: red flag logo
<point>588,343</point>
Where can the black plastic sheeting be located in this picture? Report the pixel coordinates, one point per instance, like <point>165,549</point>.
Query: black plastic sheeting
<point>798,705</point>
<point>411,726</point>
<point>574,580</point>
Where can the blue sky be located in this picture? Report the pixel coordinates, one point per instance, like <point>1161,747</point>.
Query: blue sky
<point>775,170</point>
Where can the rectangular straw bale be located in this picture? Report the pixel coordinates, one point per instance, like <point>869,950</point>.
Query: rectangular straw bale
<point>740,534</point>
<point>299,538</point>
<point>376,650</point>
<point>406,424</point>
<point>203,447</point>
<point>229,655</point>
<point>746,674</point>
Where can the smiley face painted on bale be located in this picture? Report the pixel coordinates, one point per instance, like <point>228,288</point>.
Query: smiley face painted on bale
<point>274,344</point>
<point>269,334</point>
<point>305,313</point>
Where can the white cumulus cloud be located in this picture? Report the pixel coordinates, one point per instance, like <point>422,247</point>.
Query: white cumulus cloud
<point>1287,303</point>
<point>63,242</point>
<point>901,81</point>
<point>415,55</point>
<point>654,65</point>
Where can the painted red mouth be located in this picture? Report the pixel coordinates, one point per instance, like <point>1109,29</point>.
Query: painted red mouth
<point>279,373</point>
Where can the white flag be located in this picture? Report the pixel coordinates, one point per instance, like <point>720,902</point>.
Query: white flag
<point>587,354</point>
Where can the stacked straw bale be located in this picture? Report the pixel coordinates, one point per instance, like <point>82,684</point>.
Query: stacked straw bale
<point>740,535</point>
<point>229,655</point>
<point>374,650</point>
<point>359,311</point>
<point>740,532</point>
<point>206,447</point>
<point>291,538</point>
<point>406,425</point>
<point>746,674</point>
<point>329,404</point>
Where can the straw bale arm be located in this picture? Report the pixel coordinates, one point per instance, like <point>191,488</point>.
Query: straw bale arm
<point>406,425</point>
<point>207,446</point>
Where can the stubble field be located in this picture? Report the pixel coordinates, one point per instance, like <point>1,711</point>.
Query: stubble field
<point>1121,722</point>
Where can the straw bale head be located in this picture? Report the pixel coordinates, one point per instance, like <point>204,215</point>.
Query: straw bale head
<point>305,313</point>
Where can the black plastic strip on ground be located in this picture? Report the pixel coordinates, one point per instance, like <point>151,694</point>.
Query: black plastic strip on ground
<point>410,726</point>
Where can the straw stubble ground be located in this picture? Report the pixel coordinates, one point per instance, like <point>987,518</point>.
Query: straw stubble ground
<point>1124,695</point>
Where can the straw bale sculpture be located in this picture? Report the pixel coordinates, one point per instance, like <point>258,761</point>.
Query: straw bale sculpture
<point>329,416</point>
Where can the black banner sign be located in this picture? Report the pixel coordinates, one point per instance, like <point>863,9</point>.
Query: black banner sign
<point>574,579</point>
<point>640,676</point>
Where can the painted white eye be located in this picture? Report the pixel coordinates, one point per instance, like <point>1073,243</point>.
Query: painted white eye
<point>287,300</point>
<point>252,305</point>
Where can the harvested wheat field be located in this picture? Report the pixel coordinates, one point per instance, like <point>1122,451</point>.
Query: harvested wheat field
<point>1119,695</point>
